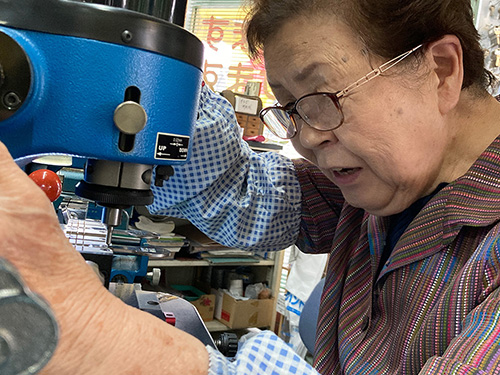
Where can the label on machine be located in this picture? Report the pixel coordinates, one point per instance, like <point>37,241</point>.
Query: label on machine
<point>171,146</point>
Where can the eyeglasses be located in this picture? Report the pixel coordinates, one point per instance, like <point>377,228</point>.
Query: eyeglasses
<point>319,110</point>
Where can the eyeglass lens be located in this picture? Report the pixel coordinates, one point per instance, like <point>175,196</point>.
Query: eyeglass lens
<point>279,122</point>
<point>318,110</point>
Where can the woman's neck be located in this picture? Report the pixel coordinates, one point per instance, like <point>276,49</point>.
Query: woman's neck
<point>476,124</point>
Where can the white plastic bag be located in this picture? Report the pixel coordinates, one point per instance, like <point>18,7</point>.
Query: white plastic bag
<point>307,270</point>
<point>305,274</point>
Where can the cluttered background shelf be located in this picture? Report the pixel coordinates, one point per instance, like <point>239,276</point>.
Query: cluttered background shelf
<point>213,278</point>
<point>203,263</point>
<point>158,253</point>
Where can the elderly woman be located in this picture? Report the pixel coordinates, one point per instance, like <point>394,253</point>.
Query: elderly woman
<point>400,184</point>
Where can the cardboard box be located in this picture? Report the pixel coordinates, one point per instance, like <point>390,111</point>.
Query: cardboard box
<point>204,303</point>
<point>243,314</point>
<point>205,306</point>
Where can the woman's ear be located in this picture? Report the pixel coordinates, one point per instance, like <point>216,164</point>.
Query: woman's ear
<point>446,62</point>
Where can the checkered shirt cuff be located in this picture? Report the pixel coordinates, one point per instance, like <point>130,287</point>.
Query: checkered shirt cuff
<point>263,354</point>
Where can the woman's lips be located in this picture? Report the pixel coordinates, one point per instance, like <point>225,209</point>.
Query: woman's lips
<point>346,176</point>
<point>345,171</point>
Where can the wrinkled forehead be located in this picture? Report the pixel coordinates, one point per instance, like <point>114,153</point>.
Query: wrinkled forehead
<point>303,50</point>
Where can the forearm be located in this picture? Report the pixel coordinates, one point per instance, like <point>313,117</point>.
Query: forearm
<point>98,334</point>
<point>102,335</point>
<point>234,195</point>
<point>118,339</point>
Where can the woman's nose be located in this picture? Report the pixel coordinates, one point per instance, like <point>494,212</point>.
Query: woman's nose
<point>311,138</point>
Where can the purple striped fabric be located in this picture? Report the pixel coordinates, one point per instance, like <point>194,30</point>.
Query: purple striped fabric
<point>435,307</point>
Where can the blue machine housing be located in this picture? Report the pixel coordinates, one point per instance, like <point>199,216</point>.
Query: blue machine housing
<point>76,84</point>
<point>128,268</point>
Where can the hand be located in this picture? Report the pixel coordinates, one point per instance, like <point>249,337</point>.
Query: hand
<point>98,333</point>
<point>33,242</point>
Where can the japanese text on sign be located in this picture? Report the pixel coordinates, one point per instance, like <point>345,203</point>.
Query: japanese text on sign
<point>227,65</point>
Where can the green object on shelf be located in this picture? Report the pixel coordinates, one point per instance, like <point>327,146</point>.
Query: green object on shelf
<point>189,293</point>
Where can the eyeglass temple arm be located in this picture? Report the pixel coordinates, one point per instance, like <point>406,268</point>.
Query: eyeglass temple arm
<point>376,72</point>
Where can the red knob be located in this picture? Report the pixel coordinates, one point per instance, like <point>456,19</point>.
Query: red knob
<point>169,318</point>
<point>48,181</point>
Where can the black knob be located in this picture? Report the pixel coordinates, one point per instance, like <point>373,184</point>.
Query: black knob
<point>163,172</point>
<point>227,343</point>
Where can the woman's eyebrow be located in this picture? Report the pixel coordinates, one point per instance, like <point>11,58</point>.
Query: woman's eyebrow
<point>308,71</point>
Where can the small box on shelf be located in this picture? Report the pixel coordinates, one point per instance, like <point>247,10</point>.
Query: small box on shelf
<point>204,303</point>
<point>236,313</point>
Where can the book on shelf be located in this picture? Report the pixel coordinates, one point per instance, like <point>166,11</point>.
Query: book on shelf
<point>226,253</point>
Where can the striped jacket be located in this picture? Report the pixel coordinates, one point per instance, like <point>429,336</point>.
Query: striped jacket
<point>435,306</point>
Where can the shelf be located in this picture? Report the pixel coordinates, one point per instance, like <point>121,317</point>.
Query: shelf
<point>264,147</point>
<point>185,271</point>
<point>203,263</point>
<point>216,326</point>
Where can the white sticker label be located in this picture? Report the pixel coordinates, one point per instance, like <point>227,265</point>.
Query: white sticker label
<point>246,105</point>
<point>171,146</point>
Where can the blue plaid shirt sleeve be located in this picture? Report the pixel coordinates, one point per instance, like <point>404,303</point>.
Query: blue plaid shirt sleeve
<point>236,196</point>
<point>264,354</point>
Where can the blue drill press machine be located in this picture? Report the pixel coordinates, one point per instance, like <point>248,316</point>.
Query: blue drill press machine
<point>91,79</point>
<point>115,86</point>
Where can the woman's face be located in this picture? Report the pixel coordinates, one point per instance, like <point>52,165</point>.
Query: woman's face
<point>390,148</point>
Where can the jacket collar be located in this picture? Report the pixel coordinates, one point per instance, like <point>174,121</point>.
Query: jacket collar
<point>471,200</point>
